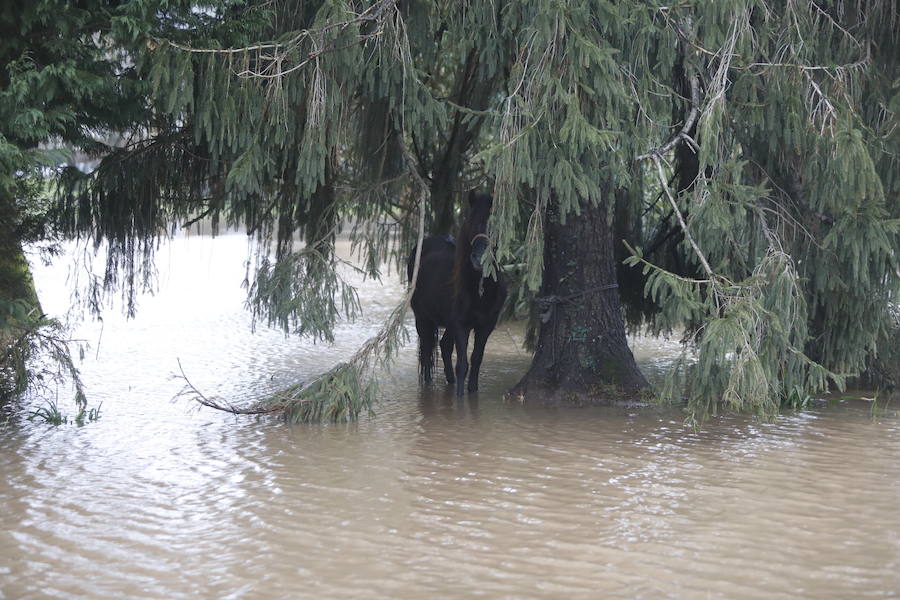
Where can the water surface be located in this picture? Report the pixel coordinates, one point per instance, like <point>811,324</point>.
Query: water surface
<point>431,497</point>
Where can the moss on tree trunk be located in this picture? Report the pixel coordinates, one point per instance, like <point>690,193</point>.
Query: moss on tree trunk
<point>15,278</point>
<point>16,282</point>
<point>16,285</point>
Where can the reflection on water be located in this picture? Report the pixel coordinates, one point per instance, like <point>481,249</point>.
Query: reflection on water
<point>432,496</point>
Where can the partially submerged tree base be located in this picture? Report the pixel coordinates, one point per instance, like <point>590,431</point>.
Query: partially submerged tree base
<point>579,395</point>
<point>582,354</point>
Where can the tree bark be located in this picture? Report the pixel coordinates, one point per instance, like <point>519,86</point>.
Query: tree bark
<point>582,354</point>
<point>16,284</point>
<point>474,91</point>
<point>15,274</point>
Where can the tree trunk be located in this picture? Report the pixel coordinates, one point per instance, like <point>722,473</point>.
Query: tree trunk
<point>474,91</point>
<point>582,355</point>
<point>443,200</point>
<point>15,274</point>
<point>16,285</point>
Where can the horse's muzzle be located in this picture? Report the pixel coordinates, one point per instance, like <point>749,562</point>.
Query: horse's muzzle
<point>479,247</point>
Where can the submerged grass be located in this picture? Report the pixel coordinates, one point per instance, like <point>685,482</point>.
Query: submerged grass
<point>50,414</point>
<point>797,399</point>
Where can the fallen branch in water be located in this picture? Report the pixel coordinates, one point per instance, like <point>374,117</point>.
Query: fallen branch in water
<point>193,394</point>
<point>344,391</point>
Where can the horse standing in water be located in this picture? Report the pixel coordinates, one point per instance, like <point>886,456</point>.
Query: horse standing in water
<point>452,292</point>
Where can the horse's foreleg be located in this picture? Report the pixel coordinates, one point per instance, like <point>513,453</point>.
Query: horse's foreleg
<point>481,337</point>
<point>461,336</point>
<point>427,338</point>
<point>447,355</point>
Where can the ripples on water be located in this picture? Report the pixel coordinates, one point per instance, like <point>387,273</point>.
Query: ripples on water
<point>431,497</point>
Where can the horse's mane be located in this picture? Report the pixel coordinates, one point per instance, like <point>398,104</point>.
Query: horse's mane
<point>479,206</point>
<point>463,249</point>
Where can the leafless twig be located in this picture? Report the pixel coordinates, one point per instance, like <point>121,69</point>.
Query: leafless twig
<point>191,391</point>
<point>683,133</point>
<point>687,234</point>
<point>372,13</point>
<point>273,55</point>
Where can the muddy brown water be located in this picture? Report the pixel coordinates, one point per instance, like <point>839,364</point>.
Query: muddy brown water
<point>430,497</point>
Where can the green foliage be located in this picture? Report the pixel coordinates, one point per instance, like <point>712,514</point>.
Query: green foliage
<point>791,207</point>
<point>797,399</point>
<point>50,414</point>
<point>35,354</point>
<point>337,397</point>
<point>771,228</point>
<point>883,366</point>
<point>559,134</point>
<point>282,294</point>
<point>349,388</point>
<point>63,86</point>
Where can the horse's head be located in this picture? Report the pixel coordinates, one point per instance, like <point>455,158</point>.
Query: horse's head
<point>476,227</point>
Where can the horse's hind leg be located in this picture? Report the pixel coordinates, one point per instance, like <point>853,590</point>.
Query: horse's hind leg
<point>427,341</point>
<point>447,355</point>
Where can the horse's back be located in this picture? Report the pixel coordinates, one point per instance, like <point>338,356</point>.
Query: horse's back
<point>440,246</point>
<point>433,297</point>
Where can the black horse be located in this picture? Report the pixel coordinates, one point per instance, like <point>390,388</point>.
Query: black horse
<point>452,292</point>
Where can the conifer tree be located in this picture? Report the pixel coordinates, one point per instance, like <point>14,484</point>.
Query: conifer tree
<point>63,83</point>
<point>725,169</point>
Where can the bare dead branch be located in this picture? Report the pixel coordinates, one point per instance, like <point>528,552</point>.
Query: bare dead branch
<point>192,392</point>
<point>373,13</point>
<point>413,168</point>
<point>683,133</point>
<point>687,234</point>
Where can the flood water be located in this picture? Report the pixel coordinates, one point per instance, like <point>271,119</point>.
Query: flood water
<point>430,497</point>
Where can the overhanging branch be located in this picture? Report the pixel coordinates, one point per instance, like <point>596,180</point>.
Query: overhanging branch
<point>682,135</point>
<point>274,54</point>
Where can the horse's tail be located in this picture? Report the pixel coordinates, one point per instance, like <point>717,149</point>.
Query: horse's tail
<point>428,350</point>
